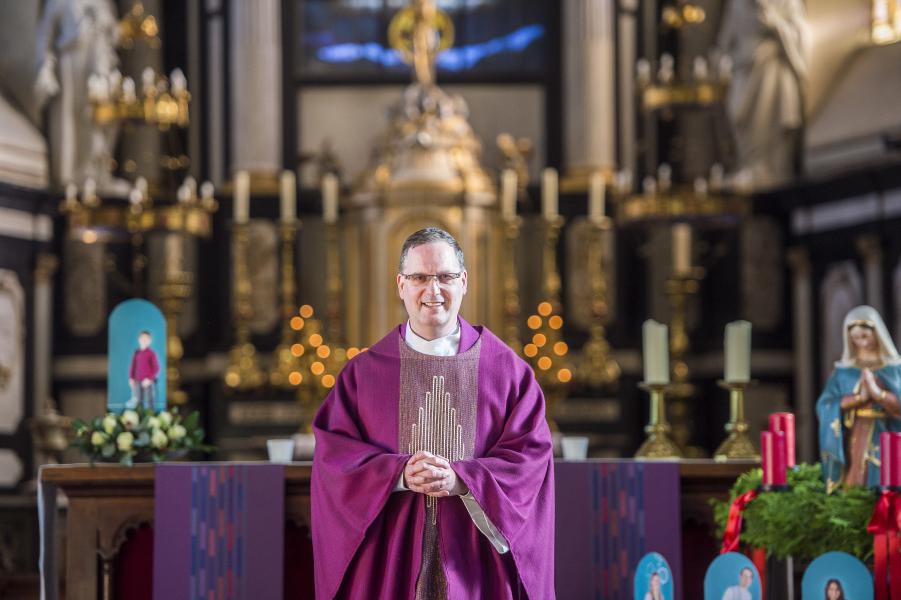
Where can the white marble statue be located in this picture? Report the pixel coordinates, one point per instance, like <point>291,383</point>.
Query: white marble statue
<point>75,40</point>
<point>767,41</point>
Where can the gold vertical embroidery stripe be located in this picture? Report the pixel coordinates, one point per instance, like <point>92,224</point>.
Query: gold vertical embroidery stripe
<point>437,414</point>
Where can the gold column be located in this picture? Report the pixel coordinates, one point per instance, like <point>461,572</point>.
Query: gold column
<point>679,288</point>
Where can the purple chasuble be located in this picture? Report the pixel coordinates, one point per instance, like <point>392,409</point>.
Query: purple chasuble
<point>483,410</point>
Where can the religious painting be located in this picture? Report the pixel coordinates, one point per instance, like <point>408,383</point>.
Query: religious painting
<point>732,576</point>
<point>653,578</point>
<point>837,576</point>
<point>12,351</point>
<point>840,291</point>
<point>137,357</point>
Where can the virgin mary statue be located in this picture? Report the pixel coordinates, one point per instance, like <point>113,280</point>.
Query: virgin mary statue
<point>860,401</point>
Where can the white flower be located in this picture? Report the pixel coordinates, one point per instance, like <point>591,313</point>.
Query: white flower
<point>153,423</point>
<point>158,439</point>
<point>165,419</point>
<point>177,432</point>
<point>124,441</point>
<point>97,438</point>
<point>130,419</point>
<point>109,423</point>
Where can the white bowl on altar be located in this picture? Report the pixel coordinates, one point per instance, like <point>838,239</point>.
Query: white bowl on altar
<point>280,450</point>
<point>575,447</point>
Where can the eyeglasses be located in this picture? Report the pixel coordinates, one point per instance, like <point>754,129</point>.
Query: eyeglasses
<point>424,278</point>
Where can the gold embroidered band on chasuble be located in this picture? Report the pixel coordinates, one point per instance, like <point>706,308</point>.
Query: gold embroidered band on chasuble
<point>437,413</point>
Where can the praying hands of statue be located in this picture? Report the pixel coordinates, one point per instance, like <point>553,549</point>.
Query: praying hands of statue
<point>432,475</point>
<point>859,398</point>
<point>881,395</point>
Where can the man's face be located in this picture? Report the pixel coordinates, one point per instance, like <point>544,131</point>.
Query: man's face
<point>432,306</point>
<point>745,579</point>
<point>144,341</point>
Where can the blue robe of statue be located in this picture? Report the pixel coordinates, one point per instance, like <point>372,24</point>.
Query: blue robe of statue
<point>832,427</point>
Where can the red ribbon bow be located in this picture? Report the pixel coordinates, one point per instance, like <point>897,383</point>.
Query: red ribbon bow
<point>733,524</point>
<point>885,525</point>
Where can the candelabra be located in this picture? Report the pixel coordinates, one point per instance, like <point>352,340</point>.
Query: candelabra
<point>511,227</point>
<point>286,363</point>
<point>243,370</point>
<point>597,368</point>
<point>318,363</point>
<point>658,444</point>
<point>547,352</point>
<point>163,102</point>
<point>682,14</point>
<point>138,25</point>
<point>738,445</point>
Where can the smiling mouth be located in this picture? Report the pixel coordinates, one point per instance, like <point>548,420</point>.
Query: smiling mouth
<point>433,304</point>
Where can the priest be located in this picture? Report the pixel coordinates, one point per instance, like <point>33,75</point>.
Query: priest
<point>433,471</point>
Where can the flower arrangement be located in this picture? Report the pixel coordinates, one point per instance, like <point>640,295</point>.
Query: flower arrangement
<point>139,435</point>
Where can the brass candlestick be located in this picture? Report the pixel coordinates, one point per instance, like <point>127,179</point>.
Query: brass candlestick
<point>287,365</point>
<point>243,370</point>
<point>679,288</point>
<point>658,444</point>
<point>738,445</point>
<point>174,290</point>
<point>511,284</point>
<point>597,368</point>
<point>333,284</point>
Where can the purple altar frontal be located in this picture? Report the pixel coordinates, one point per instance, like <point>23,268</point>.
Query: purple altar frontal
<point>610,513</point>
<point>219,531</point>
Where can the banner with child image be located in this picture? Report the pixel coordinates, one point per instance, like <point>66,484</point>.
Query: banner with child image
<point>137,357</point>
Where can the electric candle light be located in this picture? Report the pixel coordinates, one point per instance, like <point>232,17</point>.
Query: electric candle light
<point>288,197</point>
<point>738,352</point>
<point>596,198</point>
<point>784,422</point>
<point>508,194</point>
<point>549,193</point>
<point>242,197</point>
<point>656,352</point>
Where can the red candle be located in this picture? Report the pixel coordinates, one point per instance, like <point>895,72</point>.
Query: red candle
<point>772,458</point>
<point>785,422</point>
<point>886,459</point>
<point>894,466</point>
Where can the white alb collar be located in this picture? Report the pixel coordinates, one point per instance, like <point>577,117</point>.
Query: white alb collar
<point>443,346</point>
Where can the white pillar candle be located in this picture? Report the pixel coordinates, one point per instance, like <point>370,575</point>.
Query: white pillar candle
<point>549,193</point>
<point>508,194</point>
<point>242,197</point>
<point>288,197</point>
<point>681,248</point>
<point>596,197</point>
<point>738,352</point>
<point>655,338</point>
<point>329,198</point>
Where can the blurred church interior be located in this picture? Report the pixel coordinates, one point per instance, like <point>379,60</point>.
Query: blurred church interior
<point>252,167</point>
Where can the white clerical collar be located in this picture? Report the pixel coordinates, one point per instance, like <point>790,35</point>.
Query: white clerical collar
<point>443,346</point>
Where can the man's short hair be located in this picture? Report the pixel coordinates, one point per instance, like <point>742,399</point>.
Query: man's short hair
<point>430,235</point>
<point>144,332</point>
<point>748,569</point>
